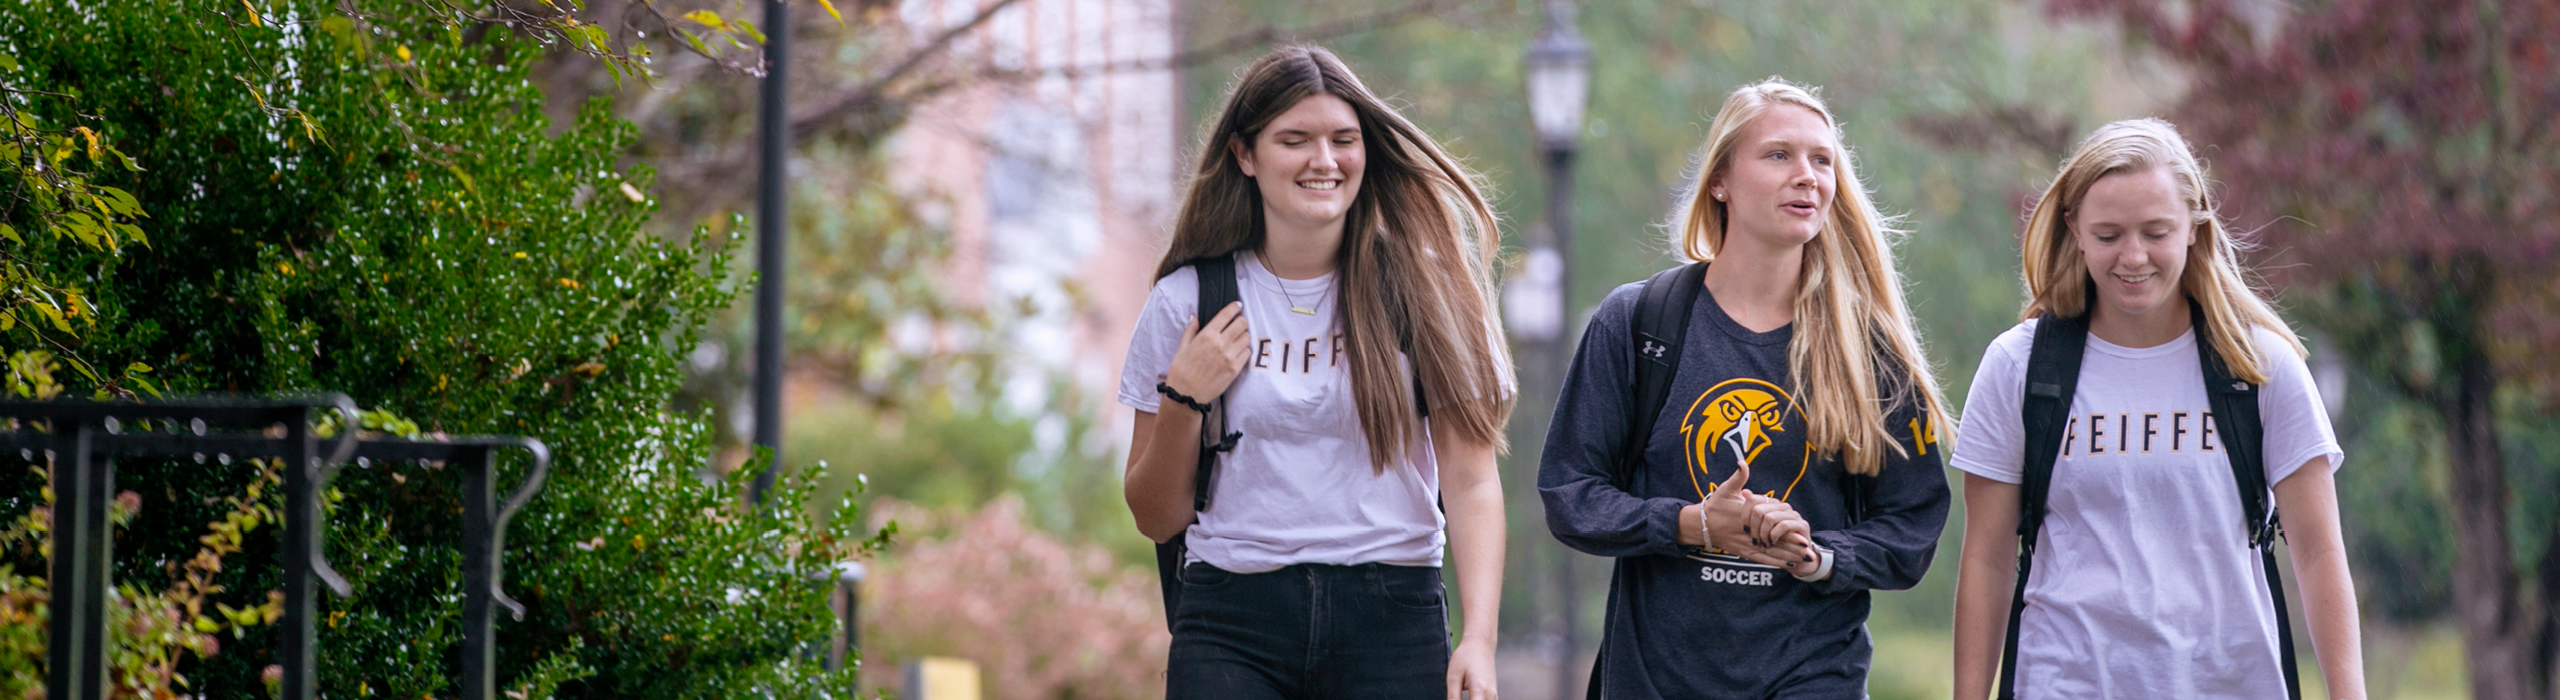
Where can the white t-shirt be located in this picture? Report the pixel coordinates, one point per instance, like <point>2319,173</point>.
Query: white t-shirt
<point>1298,489</point>
<point>2144,585</point>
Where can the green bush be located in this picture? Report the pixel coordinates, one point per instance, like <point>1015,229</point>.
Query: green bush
<point>366,197</point>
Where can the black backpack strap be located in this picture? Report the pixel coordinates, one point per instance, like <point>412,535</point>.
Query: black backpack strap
<point>1217,290</point>
<point>1421,400</point>
<point>1860,493</point>
<point>1661,330</point>
<point>2053,377</point>
<point>1169,556</point>
<point>1596,687</point>
<point>2235,417</point>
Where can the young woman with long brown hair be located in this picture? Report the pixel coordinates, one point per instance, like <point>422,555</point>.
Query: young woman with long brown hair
<point>2143,583</point>
<point>1364,376</point>
<point>1792,467</point>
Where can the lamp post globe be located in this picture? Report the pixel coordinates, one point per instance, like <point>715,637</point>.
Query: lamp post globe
<point>1559,76</point>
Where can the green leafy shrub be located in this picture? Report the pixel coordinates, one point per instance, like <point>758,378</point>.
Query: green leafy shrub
<point>366,197</point>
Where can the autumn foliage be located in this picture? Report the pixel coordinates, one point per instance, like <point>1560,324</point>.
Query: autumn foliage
<point>2403,148</point>
<point>1042,618</point>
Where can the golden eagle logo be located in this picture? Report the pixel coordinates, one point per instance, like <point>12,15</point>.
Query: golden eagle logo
<point>1736,424</point>
<point>1729,425</point>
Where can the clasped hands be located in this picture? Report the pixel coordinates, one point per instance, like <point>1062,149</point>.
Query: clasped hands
<point>1756,527</point>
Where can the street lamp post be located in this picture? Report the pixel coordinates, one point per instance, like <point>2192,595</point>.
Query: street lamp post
<point>1559,86</point>
<point>773,221</point>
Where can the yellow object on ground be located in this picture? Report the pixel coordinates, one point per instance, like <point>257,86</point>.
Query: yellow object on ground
<point>942,678</point>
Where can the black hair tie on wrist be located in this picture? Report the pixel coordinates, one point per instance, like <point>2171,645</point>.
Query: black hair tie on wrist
<point>1178,397</point>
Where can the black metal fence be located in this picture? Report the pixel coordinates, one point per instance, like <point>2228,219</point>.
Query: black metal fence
<point>83,440</point>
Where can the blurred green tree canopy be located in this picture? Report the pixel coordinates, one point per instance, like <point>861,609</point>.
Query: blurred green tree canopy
<point>371,198</point>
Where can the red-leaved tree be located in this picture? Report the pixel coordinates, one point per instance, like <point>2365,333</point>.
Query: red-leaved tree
<point>2404,158</point>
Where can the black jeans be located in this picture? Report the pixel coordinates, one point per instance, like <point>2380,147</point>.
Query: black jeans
<point>1310,631</point>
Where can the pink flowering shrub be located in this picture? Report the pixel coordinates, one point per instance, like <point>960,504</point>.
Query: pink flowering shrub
<point>1042,617</point>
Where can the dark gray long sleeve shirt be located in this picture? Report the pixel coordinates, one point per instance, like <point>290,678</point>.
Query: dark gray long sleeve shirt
<point>1686,623</point>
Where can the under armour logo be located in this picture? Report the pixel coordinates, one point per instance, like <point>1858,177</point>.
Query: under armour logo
<point>1654,350</point>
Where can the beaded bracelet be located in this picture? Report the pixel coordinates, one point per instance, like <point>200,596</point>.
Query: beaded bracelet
<point>1195,404</point>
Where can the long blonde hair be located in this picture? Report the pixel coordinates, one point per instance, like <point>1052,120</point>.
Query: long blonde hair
<point>1849,312</point>
<point>2057,274</point>
<point>1415,264</point>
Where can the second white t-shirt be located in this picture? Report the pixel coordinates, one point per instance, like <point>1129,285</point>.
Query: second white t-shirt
<point>1298,489</point>
<point>2144,584</point>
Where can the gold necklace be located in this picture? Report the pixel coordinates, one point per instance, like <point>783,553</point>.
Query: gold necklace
<point>1293,299</point>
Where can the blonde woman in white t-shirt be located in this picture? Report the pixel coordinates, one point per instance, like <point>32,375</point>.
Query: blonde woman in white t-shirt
<point>1363,257</point>
<point>2144,583</point>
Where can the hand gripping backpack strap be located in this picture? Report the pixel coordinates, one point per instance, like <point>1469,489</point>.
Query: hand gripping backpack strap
<point>2235,417</point>
<point>2053,376</point>
<point>1217,290</point>
<point>1661,330</point>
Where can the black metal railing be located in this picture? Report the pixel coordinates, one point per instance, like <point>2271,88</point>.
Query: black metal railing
<point>83,440</point>
<point>484,533</point>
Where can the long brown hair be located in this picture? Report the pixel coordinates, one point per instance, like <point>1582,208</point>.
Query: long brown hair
<point>2057,274</point>
<point>1849,309</point>
<point>1415,266</point>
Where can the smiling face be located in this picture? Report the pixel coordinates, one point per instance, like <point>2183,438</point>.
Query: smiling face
<point>1778,184</point>
<point>2134,230</point>
<point>1307,163</point>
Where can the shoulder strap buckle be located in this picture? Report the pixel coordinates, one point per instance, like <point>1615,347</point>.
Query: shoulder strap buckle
<point>2265,533</point>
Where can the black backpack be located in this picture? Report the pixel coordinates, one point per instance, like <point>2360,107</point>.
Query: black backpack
<point>1661,330</point>
<point>1217,290</point>
<point>2053,374</point>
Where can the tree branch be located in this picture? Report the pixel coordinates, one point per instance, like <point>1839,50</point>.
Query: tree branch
<point>868,93</point>
<point>878,104</point>
<point>1235,44</point>
<point>872,93</point>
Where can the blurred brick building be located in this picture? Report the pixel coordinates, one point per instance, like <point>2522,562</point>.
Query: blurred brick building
<point>1059,189</point>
